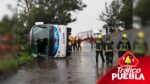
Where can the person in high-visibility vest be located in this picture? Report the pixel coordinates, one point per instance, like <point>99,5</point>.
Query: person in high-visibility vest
<point>109,50</point>
<point>123,45</point>
<point>140,45</point>
<point>99,44</point>
<point>74,43</point>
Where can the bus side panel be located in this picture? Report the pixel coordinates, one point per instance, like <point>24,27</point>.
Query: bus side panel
<point>69,47</point>
<point>62,42</point>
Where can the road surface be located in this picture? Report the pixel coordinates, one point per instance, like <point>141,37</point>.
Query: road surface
<point>79,68</point>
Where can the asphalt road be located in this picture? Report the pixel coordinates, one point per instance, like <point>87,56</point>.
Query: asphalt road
<point>79,68</point>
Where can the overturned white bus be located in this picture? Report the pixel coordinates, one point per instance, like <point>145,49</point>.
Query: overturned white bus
<point>49,40</point>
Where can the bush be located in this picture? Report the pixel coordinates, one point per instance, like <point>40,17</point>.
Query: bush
<point>7,65</point>
<point>27,49</point>
<point>25,57</point>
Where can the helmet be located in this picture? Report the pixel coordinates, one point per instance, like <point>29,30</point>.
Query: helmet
<point>140,34</point>
<point>124,36</point>
<point>100,36</point>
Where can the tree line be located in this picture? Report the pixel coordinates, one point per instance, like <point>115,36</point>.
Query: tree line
<point>30,11</point>
<point>117,14</point>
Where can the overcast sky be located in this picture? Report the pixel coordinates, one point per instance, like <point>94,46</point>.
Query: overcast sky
<point>4,9</point>
<point>86,19</point>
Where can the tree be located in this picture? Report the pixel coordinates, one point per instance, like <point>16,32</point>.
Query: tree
<point>142,10</point>
<point>117,14</point>
<point>110,16</point>
<point>125,14</point>
<point>49,11</point>
<point>6,25</point>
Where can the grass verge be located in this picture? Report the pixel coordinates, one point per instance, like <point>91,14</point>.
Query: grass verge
<point>7,65</point>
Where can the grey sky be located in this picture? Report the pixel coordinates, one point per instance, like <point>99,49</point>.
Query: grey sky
<point>86,19</point>
<point>3,7</point>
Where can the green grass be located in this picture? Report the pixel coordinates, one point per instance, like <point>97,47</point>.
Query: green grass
<point>7,65</point>
<point>25,57</point>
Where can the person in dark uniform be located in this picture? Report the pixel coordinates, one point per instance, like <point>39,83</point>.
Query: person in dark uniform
<point>140,46</point>
<point>123,45</point>
<point>109,50</point>
<point>99,48</point>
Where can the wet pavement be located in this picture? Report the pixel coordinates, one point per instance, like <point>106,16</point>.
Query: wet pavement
<point>79,68</point>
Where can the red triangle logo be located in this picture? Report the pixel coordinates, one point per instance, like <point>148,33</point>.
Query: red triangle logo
<point>128,60</point>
